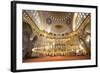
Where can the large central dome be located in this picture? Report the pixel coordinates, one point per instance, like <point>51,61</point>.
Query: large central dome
<point>53,22</point>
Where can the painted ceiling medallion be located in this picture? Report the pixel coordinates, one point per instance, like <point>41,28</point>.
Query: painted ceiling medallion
<point>58,26</point>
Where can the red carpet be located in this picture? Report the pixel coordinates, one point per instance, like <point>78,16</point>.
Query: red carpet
<point>56,58</point>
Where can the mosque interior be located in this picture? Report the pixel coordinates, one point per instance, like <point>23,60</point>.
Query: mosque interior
<point>55,36</point>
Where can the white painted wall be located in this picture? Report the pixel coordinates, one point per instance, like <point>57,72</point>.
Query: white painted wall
<point>5,36</point>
